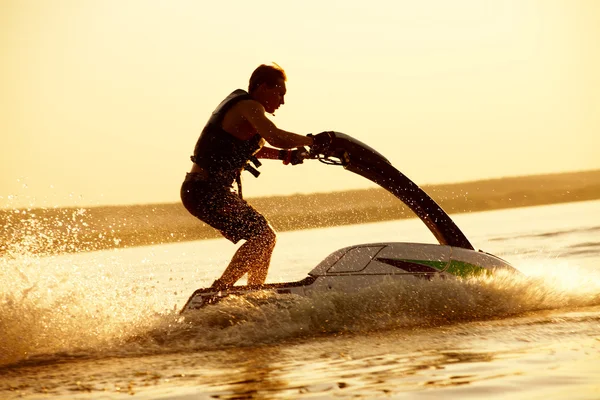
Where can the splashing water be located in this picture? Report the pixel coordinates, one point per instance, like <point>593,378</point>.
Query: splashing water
<point>268,317</point>
<point>72,312</point>
<point>43,231</point>
<point>49,305</point>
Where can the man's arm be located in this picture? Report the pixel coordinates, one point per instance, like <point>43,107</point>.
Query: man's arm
<point>268,153</point>
<point>294,157</point>
<point>254,113</point>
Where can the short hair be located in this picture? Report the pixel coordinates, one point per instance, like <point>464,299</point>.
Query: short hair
<point>268,74</point>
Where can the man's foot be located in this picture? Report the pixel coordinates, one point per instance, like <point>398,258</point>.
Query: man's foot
<point>218,285</point>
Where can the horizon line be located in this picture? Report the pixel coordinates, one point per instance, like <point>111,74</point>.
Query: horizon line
<point>377,187</point>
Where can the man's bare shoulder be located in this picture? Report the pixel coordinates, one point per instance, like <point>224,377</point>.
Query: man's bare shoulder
<point>249,108</point>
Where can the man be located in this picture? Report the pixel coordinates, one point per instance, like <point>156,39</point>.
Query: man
<point>234,135</point>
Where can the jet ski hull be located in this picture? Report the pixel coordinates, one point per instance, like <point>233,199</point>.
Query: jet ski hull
<point>363,266</point>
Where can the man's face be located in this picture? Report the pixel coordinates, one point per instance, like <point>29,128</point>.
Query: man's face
<point>274,96</point>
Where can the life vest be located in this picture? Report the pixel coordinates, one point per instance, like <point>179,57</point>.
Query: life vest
<point>220,153</point>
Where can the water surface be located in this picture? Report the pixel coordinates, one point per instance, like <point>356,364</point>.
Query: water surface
<point>106,324</point>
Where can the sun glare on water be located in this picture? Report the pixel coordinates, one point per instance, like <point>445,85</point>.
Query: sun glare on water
<point>566,280</point>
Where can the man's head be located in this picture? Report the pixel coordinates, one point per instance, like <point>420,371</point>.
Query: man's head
<point>267,86</point>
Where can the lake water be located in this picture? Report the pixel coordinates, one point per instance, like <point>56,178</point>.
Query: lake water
<point>105,324</point>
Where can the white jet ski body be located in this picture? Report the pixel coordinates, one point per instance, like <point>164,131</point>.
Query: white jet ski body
<point>366,265</point>
<point>354,268</point>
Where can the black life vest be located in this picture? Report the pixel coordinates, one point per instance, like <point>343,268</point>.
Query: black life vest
<point>220,153</point>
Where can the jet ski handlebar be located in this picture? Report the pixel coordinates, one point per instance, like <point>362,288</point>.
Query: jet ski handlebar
<point>336,148</point>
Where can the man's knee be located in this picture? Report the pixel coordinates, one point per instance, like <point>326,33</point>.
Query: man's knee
<point>269,236</point>
<point>266,235</point>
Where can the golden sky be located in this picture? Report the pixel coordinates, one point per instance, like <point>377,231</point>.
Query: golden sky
<point>101,102</point>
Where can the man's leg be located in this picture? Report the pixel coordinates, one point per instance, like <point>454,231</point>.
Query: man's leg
<point>253,257</point>
<point>257,275</point>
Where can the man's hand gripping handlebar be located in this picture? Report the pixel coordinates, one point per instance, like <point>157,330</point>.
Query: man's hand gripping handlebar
<point>294,156</point>
<point>321,143</point>
<point>320,149</point>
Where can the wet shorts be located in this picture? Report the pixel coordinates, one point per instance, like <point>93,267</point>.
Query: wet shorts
<point>222,208</point>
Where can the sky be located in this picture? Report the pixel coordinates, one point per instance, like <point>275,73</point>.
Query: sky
<point>101,102</point>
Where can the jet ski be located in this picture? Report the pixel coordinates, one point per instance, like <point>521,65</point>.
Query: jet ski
<point>365,265</point>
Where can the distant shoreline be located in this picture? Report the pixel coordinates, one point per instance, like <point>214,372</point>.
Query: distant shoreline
<point>51,231</point>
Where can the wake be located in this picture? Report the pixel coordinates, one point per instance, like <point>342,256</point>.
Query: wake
<point>103,321</point>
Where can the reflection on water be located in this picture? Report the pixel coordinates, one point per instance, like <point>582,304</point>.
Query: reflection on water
<point>256,375</point>
<point>471,356</point>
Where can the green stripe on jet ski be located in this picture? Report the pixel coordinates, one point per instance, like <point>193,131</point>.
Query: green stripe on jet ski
<point>464,269</point>
<point>458,268</point>
<point>439,265</point>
